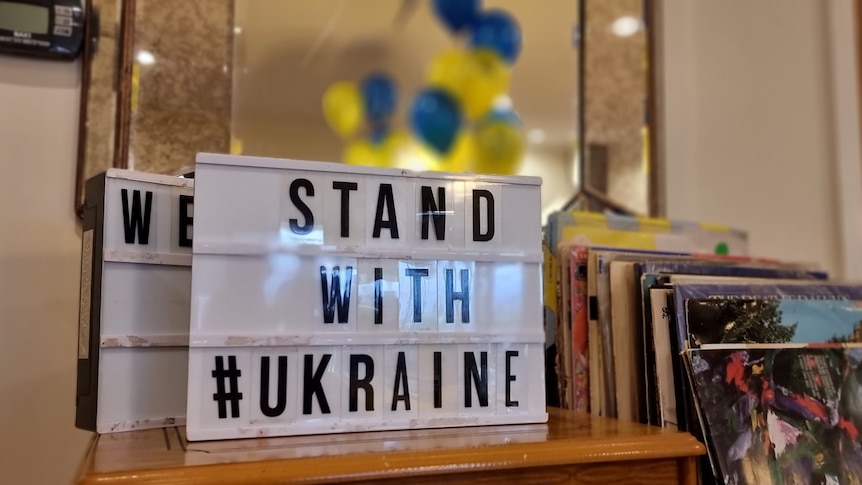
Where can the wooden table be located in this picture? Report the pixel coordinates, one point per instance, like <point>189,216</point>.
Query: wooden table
<point>570,448</point>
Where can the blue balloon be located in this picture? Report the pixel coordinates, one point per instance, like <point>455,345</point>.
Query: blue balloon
<point>458,15</point>
<point>497,30</point>
<point>379,134</point>
<point>436,118</point>
<point>380,96</point>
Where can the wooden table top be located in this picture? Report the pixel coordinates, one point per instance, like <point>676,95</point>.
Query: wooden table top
<point>165,456</point>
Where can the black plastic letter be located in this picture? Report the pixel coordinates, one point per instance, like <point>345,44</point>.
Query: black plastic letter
<point>136,220</point>
<point>431,209</point>
<point>281,396</point>
<point>312,386</point>
<point>333,297</point>
<point>472,373</point>
<point>417,274</point>
<point>510,378</point>
<point>463,296</point>
<point>477,231</point>
<point>185,220</point>
<point>385,198</point>
<point>345,188</point>
<point>306,212</point>
<point>364,383</point>
<point>401,381</point>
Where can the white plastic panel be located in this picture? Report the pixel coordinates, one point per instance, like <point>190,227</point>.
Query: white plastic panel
<point>483,226</point>
<point>520,209</point>
<point>137,216</point>
<point>379,295</point>
<point>389,218</point>
<point>508,297</point>
<point>247,215</point>
<point>143,300</point>
<point>223,391</point>
<point>445,213</point>
<point>418,300</point>
<point>477,368</point>
<point>456,283</point>
<point>321,385</point>
<point>438,383</point>
<point>275,373</point>
<point>279,294</point>
<point>344,210</point>
<point>141,388</point>
<point>363,371</point>
<point>302,203</point>
<point>514,379</point>
<point>401,383</point>
<point>256,217</point>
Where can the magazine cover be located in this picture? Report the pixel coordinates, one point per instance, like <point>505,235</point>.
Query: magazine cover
<point>550,310</point>
<point>622,317</point>
<point>772,319</point>
<point>800,311</point>
<point>645,233</point>
<point>579,329</point>
<point>660,365</point>
<point>781,414</point>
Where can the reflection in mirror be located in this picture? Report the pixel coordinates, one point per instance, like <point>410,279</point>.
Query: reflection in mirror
<point>98,96</point>
<point>616,94</point>
<point>181,83</point>
<point>248,76</point>
<point>287,54</point>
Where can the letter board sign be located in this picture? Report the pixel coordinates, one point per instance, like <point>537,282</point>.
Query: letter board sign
<point>330,298</point>
<point>134,306</point>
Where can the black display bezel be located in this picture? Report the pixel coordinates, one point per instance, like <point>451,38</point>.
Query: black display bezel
<point>50,44</point>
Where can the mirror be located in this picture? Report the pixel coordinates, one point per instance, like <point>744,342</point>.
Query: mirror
<point>248,76</point>
<point>99,83</point>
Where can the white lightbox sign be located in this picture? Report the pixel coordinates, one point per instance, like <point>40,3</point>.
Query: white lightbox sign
<point>330,298</point>
<point>134,307</point>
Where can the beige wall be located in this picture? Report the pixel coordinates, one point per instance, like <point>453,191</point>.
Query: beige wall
<point>748,123</point>
<point>39,268</point>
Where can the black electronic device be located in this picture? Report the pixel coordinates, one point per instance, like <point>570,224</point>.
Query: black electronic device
<point>42,28</point>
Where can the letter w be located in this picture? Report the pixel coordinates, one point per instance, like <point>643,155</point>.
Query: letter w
<point>135,220</point>
<point>333,297</point>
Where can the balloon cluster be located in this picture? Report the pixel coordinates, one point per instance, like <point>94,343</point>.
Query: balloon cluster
<point>365,109</point>
<point>455,117</point>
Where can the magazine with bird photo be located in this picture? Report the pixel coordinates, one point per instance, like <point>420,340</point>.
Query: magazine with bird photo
<point>780,413</point>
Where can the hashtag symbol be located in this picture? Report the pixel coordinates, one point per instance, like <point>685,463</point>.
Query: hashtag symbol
<point>222,397</point>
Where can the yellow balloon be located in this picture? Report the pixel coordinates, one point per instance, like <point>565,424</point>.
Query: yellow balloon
<point>460,155</point>
<point>343,108</point>
<point>360,152</point>
<point>393,144</point>
<point>381,154</point>
<point>499,149</point>
<point>474,77</point>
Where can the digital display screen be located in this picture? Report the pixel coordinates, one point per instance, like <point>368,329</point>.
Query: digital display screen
<point>24,17</point>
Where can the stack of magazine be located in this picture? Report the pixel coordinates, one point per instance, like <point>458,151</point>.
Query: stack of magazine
<point>672,324</point>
